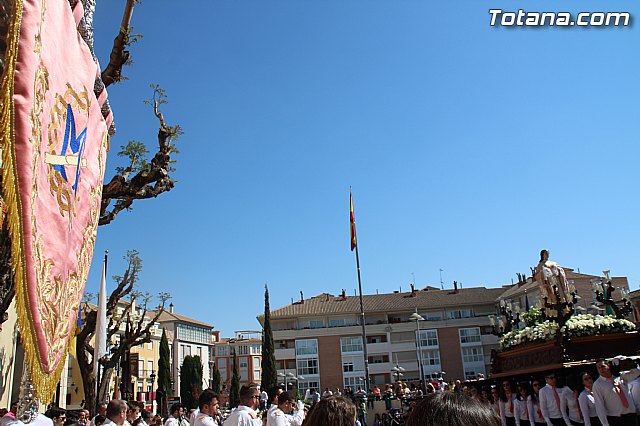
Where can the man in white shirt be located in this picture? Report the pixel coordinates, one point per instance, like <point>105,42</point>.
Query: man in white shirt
<point>245,414</point>
<point>176,414</point>
<point>281,415</point>
<point>612,399</point>
<point>326,393</point>
<point>208,409</point>
<point>263,400</point>
<point>550,402</point>
<point>116,413</point>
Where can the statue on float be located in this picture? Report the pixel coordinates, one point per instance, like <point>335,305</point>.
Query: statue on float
<point>556,291</point>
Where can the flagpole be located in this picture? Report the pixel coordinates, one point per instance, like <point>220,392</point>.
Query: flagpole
<point>364,332</point>
<point>101,301</point>
<point>354,244</point>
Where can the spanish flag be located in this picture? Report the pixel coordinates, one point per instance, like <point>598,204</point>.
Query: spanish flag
<point>352,218</point>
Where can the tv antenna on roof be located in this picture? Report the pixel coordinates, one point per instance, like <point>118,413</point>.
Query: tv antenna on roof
<point>441,282</point>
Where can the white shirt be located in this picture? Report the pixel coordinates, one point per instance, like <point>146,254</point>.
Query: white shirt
<point>569,406</point>
<point>549,404</point>
<point>520,410</point>
<point>194,416</point>
<point>263,396</point>
<point>202,419</point>
<point>535,413</point>
<point>608,402</point>
<point>507,409</point>
<point>172,421</point>
<point>276,417</point>
<point>634,389</point>
<point>241,417</point>
<point>587,406</point>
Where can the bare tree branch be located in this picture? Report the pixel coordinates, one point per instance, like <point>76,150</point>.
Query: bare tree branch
<point>152,179</point>
<point>119,55</point>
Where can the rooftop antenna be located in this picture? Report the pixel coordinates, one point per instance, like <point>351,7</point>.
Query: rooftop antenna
<point>441,282</point>
<point>413,276</point>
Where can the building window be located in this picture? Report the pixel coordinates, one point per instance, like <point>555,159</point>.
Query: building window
<point>307,366</point>
<point>351,344</point>
<point>222,350</point>
<point>243,350</point>
<point>256,349</point>
<point>194,333</point>
<point>353,382</point>
<point>316,324</point>
<point>256,362</point>
<point>243,364</point>
<point>459,313</point>
<point>150,346</point>
<point>428,338</point>
<point>303,386</point>
<point>430,357</point>
<point>256,375</point>
<point>149,366</point>
<point>199,351</point>
<point>433,316</point>
<point>337,322</point>
<point>469,335</point>
<point>378,359</point>
<point>307,347</point>
<point>347,367</point>
<point>473,354</point>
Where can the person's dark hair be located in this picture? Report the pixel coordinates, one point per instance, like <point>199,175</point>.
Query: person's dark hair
<point>542,252</point>
<point>503,394</point>
<point>115,407</point>
<point>284,397</point>
<point>56,412</point>
<point>533,394</point>
<point>246,392</point>
<point>100,419</point>
<point>175,408</point>
<point>525,386</point>
<point>451,409</point>
<point>332,411</point>
<point>206,397</point>
<point>272,393</point>
<point>574,383</point>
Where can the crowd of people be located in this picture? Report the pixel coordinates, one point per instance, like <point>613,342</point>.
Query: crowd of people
<point>612,399</point>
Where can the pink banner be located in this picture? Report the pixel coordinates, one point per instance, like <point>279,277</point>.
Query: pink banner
<point>57,145</point>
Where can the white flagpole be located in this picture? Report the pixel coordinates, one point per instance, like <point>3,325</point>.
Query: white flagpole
<point>100,349</point>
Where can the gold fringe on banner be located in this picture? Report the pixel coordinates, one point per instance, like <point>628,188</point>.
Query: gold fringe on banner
<point>45,383</point>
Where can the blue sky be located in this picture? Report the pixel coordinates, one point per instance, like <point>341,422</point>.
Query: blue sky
<point>469,148</point>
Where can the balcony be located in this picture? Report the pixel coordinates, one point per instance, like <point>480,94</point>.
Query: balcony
<point>285,353</point>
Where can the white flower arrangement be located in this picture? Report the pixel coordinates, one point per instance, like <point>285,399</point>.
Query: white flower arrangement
<point>590,325</point>
<point>541,332</point>
<point>576,326</point>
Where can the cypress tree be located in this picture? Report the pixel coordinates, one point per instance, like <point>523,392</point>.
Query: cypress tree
<point>269,377</point>
<point>164,375</point>
<point>216,381</point>
<point>190,381</point>
<point>234,392</point>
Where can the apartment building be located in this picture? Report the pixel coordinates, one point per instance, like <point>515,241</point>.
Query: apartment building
<point>319,340</point>
<point>247,345</point>
<point>528,290</point>
<point>188,337</point>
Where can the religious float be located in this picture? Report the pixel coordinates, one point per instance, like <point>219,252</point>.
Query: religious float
<point>553,336</point>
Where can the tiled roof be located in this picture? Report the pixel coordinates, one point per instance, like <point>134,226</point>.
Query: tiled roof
<point>172,316</point>
<point>325,303</point>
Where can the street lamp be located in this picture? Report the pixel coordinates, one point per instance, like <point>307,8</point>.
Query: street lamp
<point>289,376</point>
<point>417,318</point>
<point>397,372</point>
<point>152,397</point>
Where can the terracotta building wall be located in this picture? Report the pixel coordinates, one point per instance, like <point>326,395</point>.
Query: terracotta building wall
<point>330,360</point>
<point>450,354</point>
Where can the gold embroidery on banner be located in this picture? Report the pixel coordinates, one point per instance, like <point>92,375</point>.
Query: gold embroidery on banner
<point>59,187</point>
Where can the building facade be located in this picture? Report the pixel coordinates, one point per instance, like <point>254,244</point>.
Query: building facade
<point>247,346</point>
<point>188,337</point>
<point>319,341</point>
